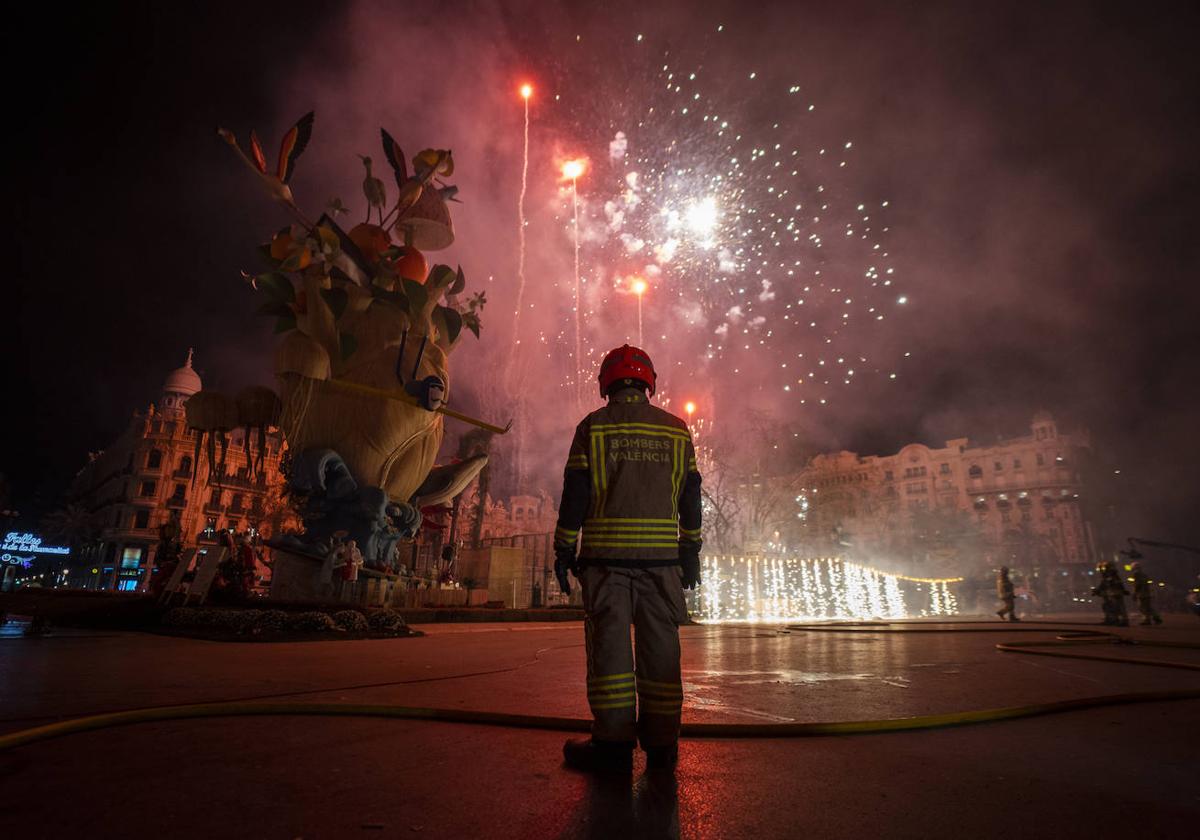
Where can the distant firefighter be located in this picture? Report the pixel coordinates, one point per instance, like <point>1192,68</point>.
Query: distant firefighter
<point>1004,590</point>
<point>1113,593</point>
<point>1144,594</point>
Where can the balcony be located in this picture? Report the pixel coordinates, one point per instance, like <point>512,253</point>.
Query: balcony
<point>177,502</point>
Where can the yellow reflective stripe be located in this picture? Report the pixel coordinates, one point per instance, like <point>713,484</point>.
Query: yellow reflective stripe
<point>624,704</point>
<point>597,464</point>
<point>631,545</point>
<point>659,530</point>
<point>690,532</point>
<point>652,684</point>
<point>676,475</point>
<point>652,428</point>
<point>645,539</point>
<point>566,532</point>
<point>628,675</point>
<point>622,519</point>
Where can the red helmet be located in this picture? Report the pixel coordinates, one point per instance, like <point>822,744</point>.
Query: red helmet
<point>626,363</point>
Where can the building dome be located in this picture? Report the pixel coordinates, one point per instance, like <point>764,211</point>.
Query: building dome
<point>184,380</point>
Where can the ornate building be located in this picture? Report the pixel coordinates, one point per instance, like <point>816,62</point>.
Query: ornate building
<point>1015,501</point>
<point>151,473</point>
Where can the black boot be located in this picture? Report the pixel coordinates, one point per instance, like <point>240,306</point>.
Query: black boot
<point>662,758</point>
<point>599,756</point>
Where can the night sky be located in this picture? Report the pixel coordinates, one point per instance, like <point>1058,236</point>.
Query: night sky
<point>1039,167</point>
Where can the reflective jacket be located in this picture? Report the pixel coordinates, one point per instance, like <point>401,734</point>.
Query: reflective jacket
<point>631,486</point>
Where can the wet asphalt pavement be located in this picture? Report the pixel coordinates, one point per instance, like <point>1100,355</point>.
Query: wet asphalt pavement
<point>1097,773</point>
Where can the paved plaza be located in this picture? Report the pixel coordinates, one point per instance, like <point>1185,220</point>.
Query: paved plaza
<point>1096,773</point>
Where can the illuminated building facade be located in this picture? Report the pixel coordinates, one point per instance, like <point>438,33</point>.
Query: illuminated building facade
<point>1015,501</point>
<point>146,477</point>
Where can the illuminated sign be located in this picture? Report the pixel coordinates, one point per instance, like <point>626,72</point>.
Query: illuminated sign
<point>30,542</point>
<point>9,558</point>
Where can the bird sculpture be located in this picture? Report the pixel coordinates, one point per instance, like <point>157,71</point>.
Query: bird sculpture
<point>374,190</point>
<point>290,149</point>
<point>410,187</point>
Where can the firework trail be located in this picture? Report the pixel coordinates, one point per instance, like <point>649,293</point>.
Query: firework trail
<point>526,92</point>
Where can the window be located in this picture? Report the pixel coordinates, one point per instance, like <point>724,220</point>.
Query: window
<point>178,495</point>
<point>999,466</point>
<point>944,469</point>
<point>1016,463</point>
<point>185,464</point>
<point>976,471</point>
<point>154,460</point>
<point>148,488</point>
<point>141,519</point>
<point>1041,460</point>
<point>887,475</point>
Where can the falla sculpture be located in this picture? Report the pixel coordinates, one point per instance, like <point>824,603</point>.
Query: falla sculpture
<point>366,334</point>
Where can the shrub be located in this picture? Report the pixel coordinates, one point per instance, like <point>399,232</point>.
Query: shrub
<point>311,622</point>
<point>270,621</point>
<point>386,621</point>
<point>243,621</point>
<point>352,621</point>
<point>180,617</point>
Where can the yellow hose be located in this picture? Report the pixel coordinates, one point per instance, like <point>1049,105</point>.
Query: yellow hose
<point>689,730</point>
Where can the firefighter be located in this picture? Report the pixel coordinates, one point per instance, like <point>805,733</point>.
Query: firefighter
<point>1004,589</point>
<point>1145,595</point>
<point>629,531</point>
<point>1113,593</point>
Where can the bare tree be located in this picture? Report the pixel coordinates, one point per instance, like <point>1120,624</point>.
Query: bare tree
<point>718,490</point>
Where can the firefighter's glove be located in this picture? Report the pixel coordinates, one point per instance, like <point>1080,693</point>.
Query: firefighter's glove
<point>564,562</point>
<point>691,569</point>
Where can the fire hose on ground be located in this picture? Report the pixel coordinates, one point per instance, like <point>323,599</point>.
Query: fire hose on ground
<point>1070,639</point>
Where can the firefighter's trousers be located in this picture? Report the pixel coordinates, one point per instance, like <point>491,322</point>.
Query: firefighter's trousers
<point>651,601</point>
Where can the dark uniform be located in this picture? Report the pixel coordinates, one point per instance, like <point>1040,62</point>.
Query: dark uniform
<point>631,502</point>
<point>1144,593</point>
<point>1113,593</point>
<point>1004,589</point>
